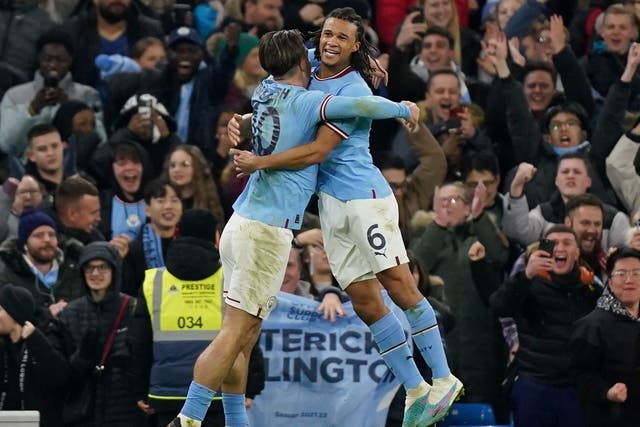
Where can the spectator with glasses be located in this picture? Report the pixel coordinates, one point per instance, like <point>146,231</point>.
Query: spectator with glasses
<point>605,350</point>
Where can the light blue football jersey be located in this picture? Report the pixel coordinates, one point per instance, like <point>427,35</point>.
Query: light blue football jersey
<point>285,116</point>
<point>348,171</point>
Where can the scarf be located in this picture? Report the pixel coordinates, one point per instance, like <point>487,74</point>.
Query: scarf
<point>562,151</point>
<point>50,279</point>
<point>609,302</point>
<point>152,247</point>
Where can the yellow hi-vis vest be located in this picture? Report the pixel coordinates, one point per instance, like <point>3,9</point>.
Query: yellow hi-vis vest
<point>183,310</point>
<point>185,316</point>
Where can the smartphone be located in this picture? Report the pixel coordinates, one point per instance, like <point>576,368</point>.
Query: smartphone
<point>144,106</point>
<point>547,245</point>
<point>456,112</point>
<point>51,81</point>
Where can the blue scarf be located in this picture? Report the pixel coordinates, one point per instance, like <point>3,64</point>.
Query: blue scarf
<point>152,247</point>
<point>50,279</point>
<point>560,151</point>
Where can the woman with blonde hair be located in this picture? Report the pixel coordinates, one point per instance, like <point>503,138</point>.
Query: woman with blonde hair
<point>189,171</point>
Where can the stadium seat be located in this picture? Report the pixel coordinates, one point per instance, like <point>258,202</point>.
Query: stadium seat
<point>469,414</point>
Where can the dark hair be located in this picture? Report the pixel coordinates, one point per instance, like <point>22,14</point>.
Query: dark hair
<point>71,190</point>
<point>389,160</point>
<point>442,32</point>
<point>140,47</point>
<point>57,36</point>
<point>560,228</point>
<point>157,188</point>
<point>569,107</point>
<point>39,130</point>
<point>619,253</point>
<point>359,58</point>
<point>576,155</point>
<point>532,66</point>
<point>124,150</point>
<point>444,71</point>
<point>586,199</point>
<point>280,51</point>
<point>480,161</point>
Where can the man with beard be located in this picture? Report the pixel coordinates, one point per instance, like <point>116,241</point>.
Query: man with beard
<point>192,93</point>
<point>573,178</point>
<point>586,216</point>
<point>112,26</point>
<point>34,261</point>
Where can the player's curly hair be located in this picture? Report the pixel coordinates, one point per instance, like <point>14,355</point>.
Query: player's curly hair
<point>360,58</point>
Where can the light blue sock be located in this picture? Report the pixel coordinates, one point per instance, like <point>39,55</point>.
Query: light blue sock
<point>198,400</point>
<point>235,414</point>
<point>388,334</point>
<point>426,336</point>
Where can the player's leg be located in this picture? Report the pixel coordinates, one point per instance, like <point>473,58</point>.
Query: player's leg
<point>354,275</point>
<point>234,387</point>
<point>374,225</point>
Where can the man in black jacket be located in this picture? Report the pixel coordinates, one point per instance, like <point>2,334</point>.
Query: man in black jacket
<point>545,300</point>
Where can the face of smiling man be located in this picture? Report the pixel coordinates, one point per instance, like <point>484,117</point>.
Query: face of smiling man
<point>565,252</point>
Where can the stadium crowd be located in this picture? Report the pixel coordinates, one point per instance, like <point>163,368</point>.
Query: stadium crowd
<point>518,196</point>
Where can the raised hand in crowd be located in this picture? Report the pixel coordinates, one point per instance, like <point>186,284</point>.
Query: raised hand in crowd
<point>476,252</point>
<point>485,62</point>
<point>410,31</point>
<point>467,129</point>
<point>557,34</point>
<point>633,59</point>
<point>47,96</point>
<point>617,393</point>
<point>479,200</point>
<point>514,50</point>
<point>538,261</point>
<point>524,174</point>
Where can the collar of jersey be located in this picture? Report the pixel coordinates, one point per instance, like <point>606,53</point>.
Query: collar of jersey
<point>339,74</point>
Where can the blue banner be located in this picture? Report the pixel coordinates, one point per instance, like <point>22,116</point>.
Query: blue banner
<point>320,373</point>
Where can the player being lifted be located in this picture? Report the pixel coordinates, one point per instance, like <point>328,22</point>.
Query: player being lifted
<point>256,241</point>
<point>359,218</point>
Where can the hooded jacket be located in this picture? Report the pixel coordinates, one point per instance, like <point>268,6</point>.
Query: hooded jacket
<point>88,323</point>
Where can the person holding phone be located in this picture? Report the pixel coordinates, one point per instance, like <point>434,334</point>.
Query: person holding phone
<point>545,300</point>
<point>36,102</point>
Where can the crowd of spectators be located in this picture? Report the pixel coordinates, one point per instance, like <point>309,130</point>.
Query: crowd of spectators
<point>518,192</point>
